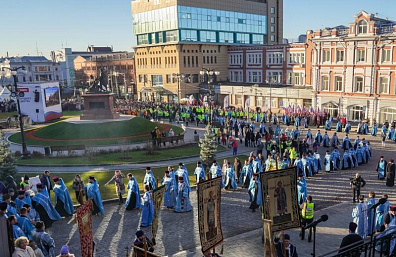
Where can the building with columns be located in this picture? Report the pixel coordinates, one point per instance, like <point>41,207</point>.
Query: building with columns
<point>353,69</point>
<point>176,39</point>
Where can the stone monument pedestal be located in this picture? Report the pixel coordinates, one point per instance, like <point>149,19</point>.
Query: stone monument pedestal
<point>99,106</point>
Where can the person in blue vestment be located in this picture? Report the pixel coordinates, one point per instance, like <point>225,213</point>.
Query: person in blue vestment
<point>182,172</point>
<point>215,172</point>
<point>374,129</point>
<point>381,210</point>
<point>32,214</point>
<point>328,125</point>
<point>92,191</point>
<point>319,137</point>
<point>347,128</point>
<point>302,189</point>
<point>365,130</point>
<point>356,143</point>
<point>327,162</point>
<point>42,204</point>
<point>23,198</point>
<point>199,173</point>
<point>318,160</point>
<point>391,131</point>
<point>11,206</point>
<point>299,167</point>
<point>334,140</point>
<point>339,126</point>
<point>63,203</point>
<point>359,215</point>
<point>370,213</point>
<point>147,208</point>
<point>25,224</point>
<point>149,179</point>
<point>381,168</point>
<point>247,172</point>
<point>360,156</point>
<point>230,181</point>
<point>346,161</point>
<point>16,231</point>
<point>336,159</point>
<point>182,197</point>
<point>170,192</point>
<point>297,122</point>
<point>306,166</point>
<point>254,191</point>
<point>296,134</point>
<point>355,163</point>
<point>346,143</point>
<point>326,140</point>
<point>43,240</point>
<point>133,198</point>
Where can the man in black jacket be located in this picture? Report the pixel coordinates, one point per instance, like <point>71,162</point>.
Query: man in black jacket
<point>357,183</point>
<point>285,247</point>
<point>46,181</point>
<point>351,239</point>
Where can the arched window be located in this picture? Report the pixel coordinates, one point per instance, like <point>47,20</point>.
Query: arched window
<point>331,109</point>
<point>387,114</point>
<point>362,27</point>
<point>356,113</point>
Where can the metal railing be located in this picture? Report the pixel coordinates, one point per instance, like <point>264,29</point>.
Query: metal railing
<point>380,245</point>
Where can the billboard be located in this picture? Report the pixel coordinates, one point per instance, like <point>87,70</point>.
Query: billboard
<point>52,96</point>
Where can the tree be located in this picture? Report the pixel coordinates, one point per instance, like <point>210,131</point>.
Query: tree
<point>7,160</point>
<point>208,146</point>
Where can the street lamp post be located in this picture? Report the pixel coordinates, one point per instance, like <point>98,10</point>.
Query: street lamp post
<point>179,77</point>
<point>14,72</point>
<point>211,73</point>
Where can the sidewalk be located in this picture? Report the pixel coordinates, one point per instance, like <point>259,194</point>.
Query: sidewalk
<point>328,237</point>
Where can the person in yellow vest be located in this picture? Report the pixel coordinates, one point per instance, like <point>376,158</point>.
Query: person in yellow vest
<point>307,215</point>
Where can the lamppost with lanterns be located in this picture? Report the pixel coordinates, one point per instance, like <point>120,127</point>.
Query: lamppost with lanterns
<point>212,74</point>
<point>179,77</point>
<point>15,93</point>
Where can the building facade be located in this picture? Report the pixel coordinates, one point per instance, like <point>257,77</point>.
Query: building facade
<point>353,69</point>
<point>271,77</point>
<point>176,39</point>
<point>119,67</point>
<point>65,57</point>
<point>38,69</point>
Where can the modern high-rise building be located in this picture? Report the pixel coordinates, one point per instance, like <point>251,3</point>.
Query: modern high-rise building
<point>183,37</point>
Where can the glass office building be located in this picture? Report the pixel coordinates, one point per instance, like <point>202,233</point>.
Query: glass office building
<point>199,25</point>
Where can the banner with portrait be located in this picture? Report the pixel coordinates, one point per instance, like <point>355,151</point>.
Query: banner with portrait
<point>158,195</point>
<point>209,200</point>
<point>280,200</point>
<point>84,221</point>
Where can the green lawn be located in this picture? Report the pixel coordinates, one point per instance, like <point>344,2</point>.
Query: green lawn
<point>108,192</point>
<point>112,158</point>
<point>105,131</point>
<point>5,115</point>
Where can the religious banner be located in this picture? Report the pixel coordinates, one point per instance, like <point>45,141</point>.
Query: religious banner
<point>158,195</point>
<point>280,200</point>
<point>226,101</point>
<point>209,199</point>
<point>269,244</point>
<point>84,221</point>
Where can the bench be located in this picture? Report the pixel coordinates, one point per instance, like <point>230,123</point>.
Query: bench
<point>174,139</point>
<point>68,148</point>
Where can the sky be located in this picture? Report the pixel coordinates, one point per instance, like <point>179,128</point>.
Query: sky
<point>32,26</point>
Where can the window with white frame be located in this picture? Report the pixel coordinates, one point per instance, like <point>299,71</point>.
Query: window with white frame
<point>361,55</point>
<point>356,113</point>
<point>259,101</point>
<point>296,58</point>
<point>383,85</point>
<point>254,59</point>
<point>326,55</point>
<point>272,38</point>
<point>236,76</point>
<point>358,84</point>
<point>337,83</point>
<point>298,78</point>
<point>386,55</point>
<point>275,58</point>
<point>387,114</point>
<point>254,77</point>
<point>275,77</point>
<point>340,55</point>
<point>362,27</point>
<point>235,59</point>
<point>331,109</point>
<point>289,78</point>
<point>325,83</point>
